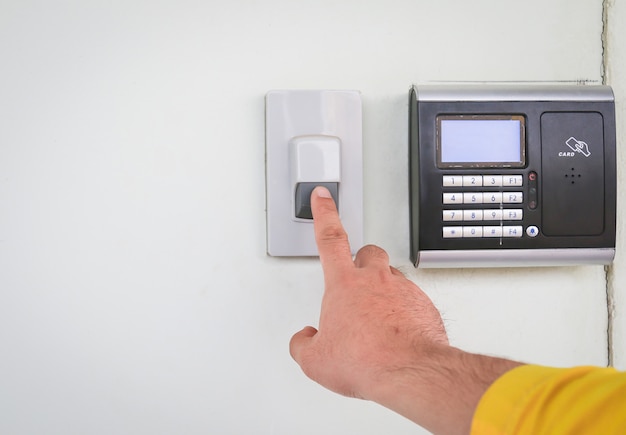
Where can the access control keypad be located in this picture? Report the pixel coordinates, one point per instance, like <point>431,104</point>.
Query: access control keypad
<point>490,199</point>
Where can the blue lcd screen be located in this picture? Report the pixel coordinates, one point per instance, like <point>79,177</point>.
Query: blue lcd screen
<point>481,141</point>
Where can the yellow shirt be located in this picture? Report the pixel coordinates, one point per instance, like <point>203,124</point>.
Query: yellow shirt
<point>540,400</point>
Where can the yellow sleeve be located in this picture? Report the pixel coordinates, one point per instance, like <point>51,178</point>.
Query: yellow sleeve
<point>540,400</point>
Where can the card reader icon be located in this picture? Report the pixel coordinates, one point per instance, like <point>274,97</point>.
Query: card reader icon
<point>578,146</point>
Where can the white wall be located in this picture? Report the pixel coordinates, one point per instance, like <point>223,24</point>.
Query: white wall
<point>135,293</point>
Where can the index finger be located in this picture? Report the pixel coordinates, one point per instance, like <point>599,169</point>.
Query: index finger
<point>330,236</point>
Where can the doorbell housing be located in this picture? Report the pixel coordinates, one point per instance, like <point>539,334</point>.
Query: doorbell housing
<point>312,138</point>
<point>504,175</point>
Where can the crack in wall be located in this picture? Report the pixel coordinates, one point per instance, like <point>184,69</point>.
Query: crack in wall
<point>608,270</point>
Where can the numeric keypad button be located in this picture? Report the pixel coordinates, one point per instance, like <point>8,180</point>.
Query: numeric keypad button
<point>472,180</point>
<point>492,231</point>
<point>472,215</point>
<point>472,232</point>
<point>492,197</point>
<point>512,197</point>
<point>511,180</point>
<point>452,215</point>
<point>493,215</point>
<point>512,214</point>
<point>452,232</point>
<point>472,198</point>
<point>512,231</point>
<point>452,181</point>
<point>453,198</point>
<point>492,180</point>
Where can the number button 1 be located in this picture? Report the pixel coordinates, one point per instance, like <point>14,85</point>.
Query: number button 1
<point>452,180</point>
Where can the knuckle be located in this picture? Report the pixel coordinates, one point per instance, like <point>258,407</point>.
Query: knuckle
<point>372,255</point>
<point>373,251</point>
<point>333,233</point>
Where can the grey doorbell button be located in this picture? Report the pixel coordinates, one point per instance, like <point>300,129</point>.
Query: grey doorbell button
<point>303,197</point>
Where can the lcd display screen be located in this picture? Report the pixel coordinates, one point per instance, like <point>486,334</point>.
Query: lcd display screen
<point>481,141</point>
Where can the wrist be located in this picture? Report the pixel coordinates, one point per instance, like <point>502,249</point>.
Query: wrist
<point>440,388</point>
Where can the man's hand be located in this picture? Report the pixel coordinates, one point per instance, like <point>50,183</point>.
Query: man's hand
<point>373,319</point>
<point>380,337</point>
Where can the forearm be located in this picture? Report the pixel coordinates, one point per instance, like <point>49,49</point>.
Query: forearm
<point>441,389</point>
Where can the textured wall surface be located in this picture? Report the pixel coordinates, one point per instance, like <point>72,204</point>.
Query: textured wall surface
<point>615,53</point>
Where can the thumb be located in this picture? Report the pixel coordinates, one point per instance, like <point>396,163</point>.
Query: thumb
<point>300,341</point>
